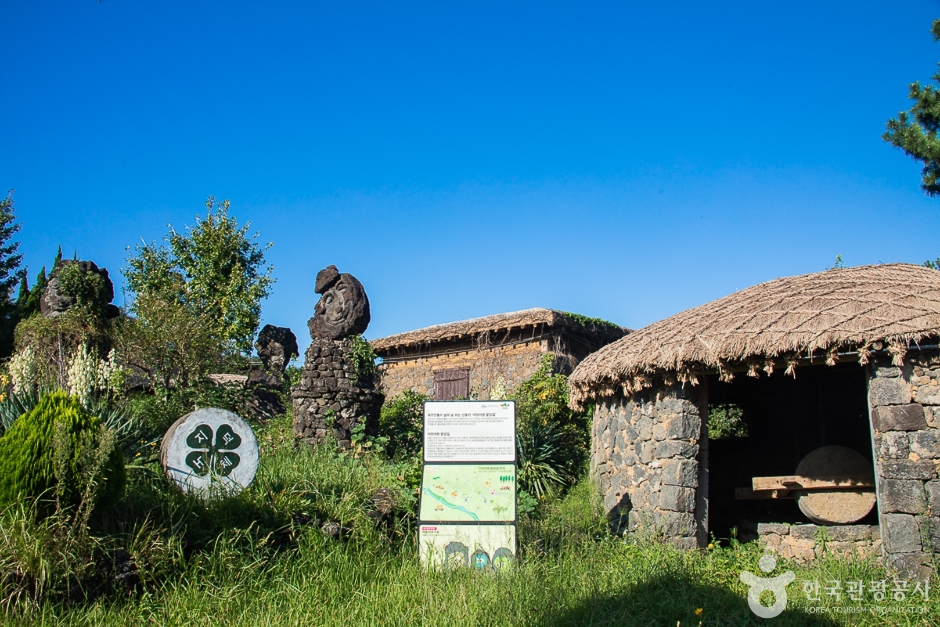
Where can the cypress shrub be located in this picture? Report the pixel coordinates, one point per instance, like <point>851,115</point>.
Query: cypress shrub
<point>29,455</point>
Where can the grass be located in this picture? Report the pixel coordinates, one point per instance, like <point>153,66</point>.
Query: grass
<point>257,560</point>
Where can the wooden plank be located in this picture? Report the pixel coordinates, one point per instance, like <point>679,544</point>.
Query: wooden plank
<point>747,494</point>
<point>701,494</point>
<point>798,482</point>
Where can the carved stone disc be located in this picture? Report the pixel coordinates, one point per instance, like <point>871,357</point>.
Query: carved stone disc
<point>840,507</point>
<point>210,452</point>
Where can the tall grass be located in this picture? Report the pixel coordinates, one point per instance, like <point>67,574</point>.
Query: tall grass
<point>259,559</point>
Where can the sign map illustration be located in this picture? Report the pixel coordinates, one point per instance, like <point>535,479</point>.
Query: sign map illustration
<point>468,493</point>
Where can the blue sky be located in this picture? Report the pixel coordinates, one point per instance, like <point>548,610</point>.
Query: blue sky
<point>618,160</point>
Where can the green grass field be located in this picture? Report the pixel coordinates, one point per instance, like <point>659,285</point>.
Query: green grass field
<point>256,560</point>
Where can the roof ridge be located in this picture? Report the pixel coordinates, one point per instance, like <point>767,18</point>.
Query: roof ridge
<point>826,310</point>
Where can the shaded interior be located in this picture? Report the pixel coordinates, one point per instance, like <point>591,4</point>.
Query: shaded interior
<point>786,419</point>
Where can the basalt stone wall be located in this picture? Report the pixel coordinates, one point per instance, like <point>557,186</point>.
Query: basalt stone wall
<point>645,457</point>
<point>330,401</point>
<point>804,543</point>
<point>905,419</point>
<point>514,364</point>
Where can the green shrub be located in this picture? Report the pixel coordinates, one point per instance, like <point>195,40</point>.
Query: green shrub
<point>60,450</point>
<point>553,439</point>
<point>542,460</point>
<point>89,289</point>
<point>363,358</point>
<point>168,342</point>
<point>726,421</point>
<point>401,421</point>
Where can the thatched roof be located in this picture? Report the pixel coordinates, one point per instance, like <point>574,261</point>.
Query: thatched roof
<point>589,327</point>
<point>770,325</point>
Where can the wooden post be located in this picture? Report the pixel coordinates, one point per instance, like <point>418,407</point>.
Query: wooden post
<point>701,493</point>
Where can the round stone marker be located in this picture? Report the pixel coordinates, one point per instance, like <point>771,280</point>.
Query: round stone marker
<point>210,452</point>
<point>839,507</point>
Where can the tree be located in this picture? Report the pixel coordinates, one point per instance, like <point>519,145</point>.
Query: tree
<point>915,131</point>
<point>214,270</point>
<point>10,273</point>
<point>167,341</point>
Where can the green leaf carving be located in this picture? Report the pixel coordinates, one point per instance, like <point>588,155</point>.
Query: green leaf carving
<point>226,439</point>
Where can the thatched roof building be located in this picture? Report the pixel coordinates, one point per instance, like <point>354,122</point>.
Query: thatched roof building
<point>486,327</point>
<point>772,325</point>
<point>752,410</point>
<point>469,357</point>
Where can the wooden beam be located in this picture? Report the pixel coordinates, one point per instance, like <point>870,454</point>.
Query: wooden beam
<point>747,494</point>
<point>798,482</point>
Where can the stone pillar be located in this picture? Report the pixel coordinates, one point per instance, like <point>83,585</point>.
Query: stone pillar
<point>645,451</point>
<point>330,401</point>
<point>904,405</point>
<point>333,397</point>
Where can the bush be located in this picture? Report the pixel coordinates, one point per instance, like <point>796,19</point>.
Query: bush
<point>726,421</point>
<point>60,450</point>
<point>401,421</point>
<point>552,440</point>
<point>216,271</point>
<point>45,346</point>
<point>168,342</point>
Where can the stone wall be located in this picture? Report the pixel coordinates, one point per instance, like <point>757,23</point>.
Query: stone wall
<point>905,419</point>
<point>645,457</point>
<point>513,363</point>
<point>329,401</point>
<point>804,543</point>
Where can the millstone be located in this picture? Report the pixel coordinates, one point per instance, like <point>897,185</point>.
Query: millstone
<point>210,452</point>
<point>839,507</point>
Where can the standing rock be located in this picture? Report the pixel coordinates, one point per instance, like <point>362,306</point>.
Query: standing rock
<point>331,401</point>
<point>333,398</point>
<point>55,301</point>
<point>276,346</point>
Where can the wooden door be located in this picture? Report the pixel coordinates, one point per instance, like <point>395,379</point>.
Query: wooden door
<point>451,383</point>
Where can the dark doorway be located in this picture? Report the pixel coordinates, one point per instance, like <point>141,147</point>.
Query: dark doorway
<point>786,419</point>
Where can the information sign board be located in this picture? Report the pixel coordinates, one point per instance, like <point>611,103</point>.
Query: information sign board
<point>468,493</point>
<point>469,431</point>
<point>458,546</point>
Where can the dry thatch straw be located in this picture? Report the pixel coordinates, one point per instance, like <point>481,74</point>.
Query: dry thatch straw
<point>500,322</point>
<point>771,325</point>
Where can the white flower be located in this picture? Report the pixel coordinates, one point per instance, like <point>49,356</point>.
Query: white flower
<point>23,370</point>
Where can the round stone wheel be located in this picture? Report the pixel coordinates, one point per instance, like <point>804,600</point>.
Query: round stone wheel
<point>835,507</point>
<point>210,452</point>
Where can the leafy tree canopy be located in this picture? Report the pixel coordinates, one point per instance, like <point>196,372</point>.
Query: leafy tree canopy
<point>915,131</point>
<point>216,270</point>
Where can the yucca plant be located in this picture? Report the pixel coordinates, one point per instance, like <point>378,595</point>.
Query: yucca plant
<point>542,460</point>
<point>128,428</point>
<point>15,405</point>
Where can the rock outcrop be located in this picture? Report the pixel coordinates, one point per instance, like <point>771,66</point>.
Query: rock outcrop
<point>57,299</point>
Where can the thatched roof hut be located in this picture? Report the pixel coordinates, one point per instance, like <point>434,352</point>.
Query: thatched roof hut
<point>824,316</point>
<point>469,357</point>
<point>499,323</point>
